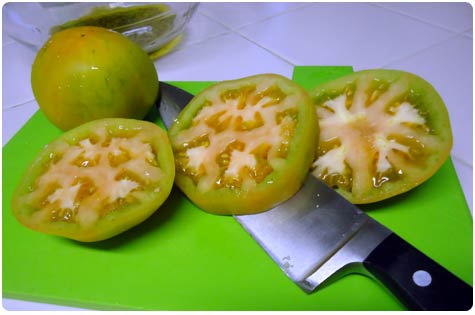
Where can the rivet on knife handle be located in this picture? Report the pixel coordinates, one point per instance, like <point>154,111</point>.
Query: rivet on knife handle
<point>418,281</point>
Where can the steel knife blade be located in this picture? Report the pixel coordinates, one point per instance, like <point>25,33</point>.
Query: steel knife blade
<point>317,235</point>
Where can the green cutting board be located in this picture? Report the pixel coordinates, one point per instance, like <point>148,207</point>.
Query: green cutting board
<point>182,258</point>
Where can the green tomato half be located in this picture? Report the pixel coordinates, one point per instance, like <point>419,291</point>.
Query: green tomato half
<point>97,180</point>
<point>245,145</point>
<point>382,133</point>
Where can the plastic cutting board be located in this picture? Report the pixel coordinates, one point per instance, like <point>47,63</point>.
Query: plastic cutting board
<point>185,259</point>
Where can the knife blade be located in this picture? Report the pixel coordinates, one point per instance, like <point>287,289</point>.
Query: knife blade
<point>317,235</point>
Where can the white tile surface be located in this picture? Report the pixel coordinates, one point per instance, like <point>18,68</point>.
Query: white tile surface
<point>16,69</point>
<point>224,57</point>
<point>240,14</point>
<point>201,28</point>
<point>10,304</point>
<point>6,39</point>
<point>465,175</point>
<point>231,40</point>
<point>15,117</point>
<point>362,35</point>
<point>452,16</point>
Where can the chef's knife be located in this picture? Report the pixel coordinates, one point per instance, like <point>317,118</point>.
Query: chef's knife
<point>317,235</point>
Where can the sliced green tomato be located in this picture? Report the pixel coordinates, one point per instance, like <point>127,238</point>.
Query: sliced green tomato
<point>96,180</point>
<point>382,133</point>
<point>245,145</point>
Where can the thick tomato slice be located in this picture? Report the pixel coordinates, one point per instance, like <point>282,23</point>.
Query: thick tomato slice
<point>382,132</point>
<point>242,146</point>
<point>96,180</point>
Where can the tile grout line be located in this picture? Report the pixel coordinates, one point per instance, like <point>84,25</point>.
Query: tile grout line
<point>461,161</point>
<point>453,36</point>
<point>273,16</point>
<point>227,31</point>
<point>258,21</point>
<point>236,31</point>
<point>264,48</point>
<point>17,105</point>
<point>9,42</point>
<point>382,6</point>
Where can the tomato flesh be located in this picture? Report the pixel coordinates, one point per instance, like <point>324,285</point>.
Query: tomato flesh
<point>96,180</point>
<point>244,145</point>
<point>382,132</point>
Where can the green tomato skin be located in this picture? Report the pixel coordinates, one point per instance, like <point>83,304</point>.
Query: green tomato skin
<point>287,177</point>
<point>88,73</point>
<point>115,222</point>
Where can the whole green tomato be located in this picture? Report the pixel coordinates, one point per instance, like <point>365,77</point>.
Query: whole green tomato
<point>86,73</point>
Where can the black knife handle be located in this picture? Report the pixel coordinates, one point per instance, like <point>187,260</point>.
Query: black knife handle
<point>419,282</point>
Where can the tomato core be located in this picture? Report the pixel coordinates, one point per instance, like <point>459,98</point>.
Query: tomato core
<point>379,128</point>
<point>247,114</point>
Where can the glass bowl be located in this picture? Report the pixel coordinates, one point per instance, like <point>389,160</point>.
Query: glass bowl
<point>156,27</point>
